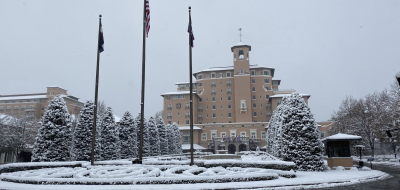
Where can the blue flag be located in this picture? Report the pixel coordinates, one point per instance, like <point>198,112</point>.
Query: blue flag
<point>101,39</point>
<point>190,30</point>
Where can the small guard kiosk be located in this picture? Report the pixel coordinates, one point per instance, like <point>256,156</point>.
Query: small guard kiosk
<point>337,148</point>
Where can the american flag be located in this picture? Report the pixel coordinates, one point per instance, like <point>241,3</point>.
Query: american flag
<point>147,18</point>
<point>101,39</point>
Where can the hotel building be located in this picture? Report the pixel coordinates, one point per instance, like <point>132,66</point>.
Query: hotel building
<point>228,102</point>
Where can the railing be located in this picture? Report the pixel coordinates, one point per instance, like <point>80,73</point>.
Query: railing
<point>169,108</point>
<point>243,110</point>
<point>242,139</point>
<point>228,92</point>
<point>187,116</point>
<point>200,110</point>
<point>169,117</point>
<point>187,107</point>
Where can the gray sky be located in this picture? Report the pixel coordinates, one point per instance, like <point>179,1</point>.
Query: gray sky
<point>328,49</point>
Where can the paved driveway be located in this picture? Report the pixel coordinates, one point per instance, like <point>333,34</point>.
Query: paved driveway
<point>388,183</point>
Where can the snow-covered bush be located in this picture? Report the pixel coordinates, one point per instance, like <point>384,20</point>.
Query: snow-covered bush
<point>53,141</point>
<point>162,132</point>
<point>154,137</point>
<point>171,140</point>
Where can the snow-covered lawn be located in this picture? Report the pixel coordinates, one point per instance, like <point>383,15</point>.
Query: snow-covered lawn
<point>303,180</point>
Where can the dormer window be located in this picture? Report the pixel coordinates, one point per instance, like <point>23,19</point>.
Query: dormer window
<point>241,71</point>
<point>228,74</point>
<point>199,77</point>
<point>220,75</point>
<point>253,73</point>
<point>241,56</point>
<point>266,72</point>
<point>212,75</point>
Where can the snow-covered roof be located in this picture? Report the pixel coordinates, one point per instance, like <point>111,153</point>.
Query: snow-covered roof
<point>240,44</point>
<point>195,146</point>
<point>5,119</point>
<point>23,97</point>
<point>341,136</point>
<point>116,118</point>
<point>177,93</point>
<point>55,86</point>
<point>230,68</point>
<point>283,95</point>
<point>184,83</point>
<point>188,128</point>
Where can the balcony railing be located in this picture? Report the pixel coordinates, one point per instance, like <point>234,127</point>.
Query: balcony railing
<point>228,92</point>
<point>187,116</point>
<point>169,108</point>
<point>242,139</point>
<point>187,108</point>
<point>169,117</point>
<point>200,110</point>
<point>243,110</point>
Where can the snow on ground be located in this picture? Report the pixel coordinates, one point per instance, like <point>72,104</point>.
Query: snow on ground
<point>303,180</point>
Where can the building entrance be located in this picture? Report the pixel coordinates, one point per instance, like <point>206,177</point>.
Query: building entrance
<point>231,149</point>
<point>242,147</point>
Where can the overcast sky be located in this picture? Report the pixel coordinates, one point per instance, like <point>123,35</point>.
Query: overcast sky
<point>328,49</point>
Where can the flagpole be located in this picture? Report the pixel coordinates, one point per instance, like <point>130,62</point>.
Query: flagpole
<point>143,81</point>
<point>191,88</point>
<point>96,95</point>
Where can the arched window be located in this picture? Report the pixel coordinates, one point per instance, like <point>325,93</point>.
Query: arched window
<point>241,56</point>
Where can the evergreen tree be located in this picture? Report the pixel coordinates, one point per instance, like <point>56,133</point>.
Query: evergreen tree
<point>54,137</point>
<point>127,136</point>
<point>154,137</point>
<point>171,139</point>
<point>162,132</point>
<point>82,136</point>
<point>146,145</point>
<point>110,147</point>
<point>300,135</point>
<point>177,139</point>
<point>97,148</point>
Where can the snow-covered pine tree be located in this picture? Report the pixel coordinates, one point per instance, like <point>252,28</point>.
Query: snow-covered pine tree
<point>154,137</point>
<point>127,136</point>
<point>162,132</point>
<point>110,147</point>
<point>146,145</point>
<point>275,128</point>
<point>82,136</point>
<point>300,136</point>
<point>54,137</point>
<point>177,138</point>
<point>97,148</point>
<point>171,139</point>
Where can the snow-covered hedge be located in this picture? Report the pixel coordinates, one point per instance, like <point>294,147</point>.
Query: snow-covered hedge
<point>7,168</point>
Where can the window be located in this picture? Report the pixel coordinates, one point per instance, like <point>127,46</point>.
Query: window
<point>187,122</point>
<point>223,134</point>
<point>178,122</point>
<point>187,115</point>
<point>266,80</point>
<point>253,81</point>
<point>322,134</point>
<point>253,73</point>
<point>214,115</point>
<point>199,77</point>
<point>228,74</point>
<point>200,84</point>
<point>253,89</point>
<point>207,115</point>
<point>213,107</point>
<point>169,122</point>
<point>213,99</point>
<point>243,104</point>
<point>167,98</point>
<point>260,105</point>
<point>233,133</point>
<point>229,115</point>
<point>220,82</point>
<point>221,98</point>
<point>229,106</point>
<point>222,115</point>
<point>200,92</point>
<point>229,98</point>
<point>229,121</point>
<point>254,97</point>
<point>268,113</point>
<point>212,84</point>
<point>186,137</point>
<point>254,114</point>
<point>220,75</point>
<point>181,96</point>
<point>221,90</point>
<point>200,99</point>
<point>274,82</point>
<point>178,113</point>
<point>242,134</point>
<point>253,135</point>
<point>267,97</point>
<point>254,105</point>
<point>200,116</point>
<point>213,92</point>
<point>279,102</point>
<point>8,108</point>
<point>263,135</point>
<point>213,134</point>
<point>206,107</point>
<point>268,106</point>
<point>267,88</point>
<point>261,113</point>
<point>221,106</point>
<point>241,56</point>
<point>169,115</point>
<point>1,109</point>
<point>241,71</point>
<point>266,72</point>
<point>187,106</point>
<point>228,83</point>
<point>212,75</point>
<point>16,108</point>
